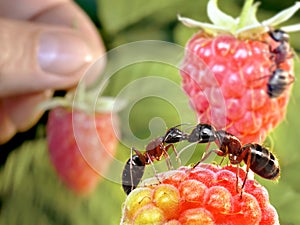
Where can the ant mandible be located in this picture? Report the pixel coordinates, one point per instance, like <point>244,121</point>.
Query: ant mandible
<point>256,157</point>
<point>155,150</point>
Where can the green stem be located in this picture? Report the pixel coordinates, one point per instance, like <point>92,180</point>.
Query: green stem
<point>245,13</point>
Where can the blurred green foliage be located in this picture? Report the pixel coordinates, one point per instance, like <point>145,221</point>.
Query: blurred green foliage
<point>30,191</point>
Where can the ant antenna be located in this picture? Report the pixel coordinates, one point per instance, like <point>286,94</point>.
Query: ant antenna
<point>154,170</point>
<point>270,142</point>
<point>131,167</point>
<point>185,148</point>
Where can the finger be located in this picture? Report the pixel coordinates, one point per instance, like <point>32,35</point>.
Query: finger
<point>39,57</point>
<point>25,9</point>
<point>57,12</point>
<point>71,15</point>
<point>19,113</point>
<point>8,129</point>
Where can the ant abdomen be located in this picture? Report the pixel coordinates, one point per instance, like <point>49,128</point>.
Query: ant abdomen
<point>132,173</point>
<point>262,161</point>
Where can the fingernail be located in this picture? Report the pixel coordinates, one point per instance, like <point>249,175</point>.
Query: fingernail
<point>62,53</point>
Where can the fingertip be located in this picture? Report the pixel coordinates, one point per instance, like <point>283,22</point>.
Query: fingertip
<point>41,57</point>
<point>23,111</point>
<point>62,52</point>
<point>69,15</point>
<point>8,130</point>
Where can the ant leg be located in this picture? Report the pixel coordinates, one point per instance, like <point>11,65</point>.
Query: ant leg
<point>247,170</point>
<point>237,175</point>
<point>175,152</point>
<point>272,57</point>
<point>131,167</point>
<point>292,79</point>
<point>132,163</point>
<point>222,161</point>
<point>248,161</point>
<point>217,151</point>
<point>133,171</point>
<point>185,148</point>
<point>153,167</point>
<point>168,160</point>
<point>206,149</point>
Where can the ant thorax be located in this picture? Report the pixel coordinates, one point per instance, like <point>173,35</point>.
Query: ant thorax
<point>228,143</point>
<point>154,144</point>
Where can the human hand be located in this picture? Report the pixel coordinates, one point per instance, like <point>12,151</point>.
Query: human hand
<point>45,46</point>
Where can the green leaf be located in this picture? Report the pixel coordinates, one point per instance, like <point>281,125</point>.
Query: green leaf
<point>32,193</point>
<point>115,15</point>
<point>182,34</point>
<point>152,90</point>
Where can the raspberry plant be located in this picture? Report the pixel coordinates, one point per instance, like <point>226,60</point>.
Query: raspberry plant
<point>227,67</point>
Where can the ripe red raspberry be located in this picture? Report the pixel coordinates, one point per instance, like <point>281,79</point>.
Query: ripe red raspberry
<point>204,195</point>
<point>81,146</point>
<point>226,69</point>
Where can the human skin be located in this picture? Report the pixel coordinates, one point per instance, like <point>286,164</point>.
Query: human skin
<point>45,46</point>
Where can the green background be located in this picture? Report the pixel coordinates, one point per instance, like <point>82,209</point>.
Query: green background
<point>31,193</point>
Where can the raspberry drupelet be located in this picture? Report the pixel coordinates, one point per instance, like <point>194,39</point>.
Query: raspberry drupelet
<point>204,195</point>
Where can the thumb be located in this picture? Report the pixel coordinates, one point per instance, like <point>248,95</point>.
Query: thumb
<point>35,57</point>
<point>19,113</point>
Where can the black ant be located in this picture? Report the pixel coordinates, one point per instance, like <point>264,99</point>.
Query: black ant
<point>281,52</point>
<point>278,82</point>
<point>279,78</point>
<point>256,157</point>
<point>155,150</point>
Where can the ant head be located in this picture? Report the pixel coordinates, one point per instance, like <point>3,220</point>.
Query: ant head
<point>203,133</point>
<point>174,135</point>
<point>279,35</point>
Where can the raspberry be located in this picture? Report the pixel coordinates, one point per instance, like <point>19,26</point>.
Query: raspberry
<point>81,139</point>
<point>226,74</point>
<point>204,195</point>
<point>78,162</point>
<point>247,111</point>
